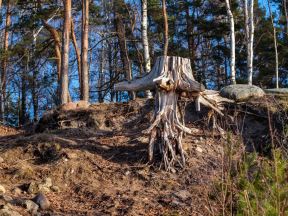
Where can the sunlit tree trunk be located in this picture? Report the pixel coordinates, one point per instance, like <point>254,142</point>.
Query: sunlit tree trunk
<point>275,45</point>
<point>147,61</point>
<point>5,62</point>
<point>249,30</point>
<point>166,30</point>
<point>84,51</point>
<point>64,91</point>
<point>232,41</point>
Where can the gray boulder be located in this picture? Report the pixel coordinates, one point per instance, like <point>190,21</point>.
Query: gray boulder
<point>241,92</point>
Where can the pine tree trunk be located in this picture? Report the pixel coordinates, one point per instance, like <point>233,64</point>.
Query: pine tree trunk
<point>286,16</point>
<point>5,63</point>
<point>77,52</point>
<point>84,51</point>
<point>190,37</point>
<point>232,38</point>
<point>101,75</point>
<point>121,35</point>
<point>57,47</point>
<point>166,29</point>
<point>64,81</point>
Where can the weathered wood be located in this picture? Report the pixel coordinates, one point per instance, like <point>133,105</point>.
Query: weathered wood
<point>172,78</point>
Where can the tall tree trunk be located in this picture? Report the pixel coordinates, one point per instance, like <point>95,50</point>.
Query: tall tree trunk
<point>190,38</point>
<point>57,47</point>
<point>64,87</point>
<point>5,62</point>
<point>286,16</point>
<point>145,37</point>
<point>111,74</point>
<point>275,45</point>
<point>84,51</point>
<point>147,61</point>
<point>166,30</point>
<point>78,54</point>
<point>232,38</point>
<point>121,35</point>
<point>249,28</point>
<point>23,114</point>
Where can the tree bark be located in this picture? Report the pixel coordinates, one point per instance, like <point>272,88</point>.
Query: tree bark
<point>232,42</point>
<point>5,62</point>
<point>275,45</point>
<point>190,38</point>
<point>121,35</point>
<point>166,29</point>
<point>64,81</point>
<point>147,61</point>
<point>57,47</point>
<point>77,52</point>
<point>286,16</point>
<point>84,51</point>
<point>249,28</point>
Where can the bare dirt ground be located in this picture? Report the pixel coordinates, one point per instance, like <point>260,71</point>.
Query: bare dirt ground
<point>101,168</point>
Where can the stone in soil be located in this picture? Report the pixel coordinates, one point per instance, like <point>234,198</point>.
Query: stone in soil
<point>42,201</point>
<point>2,189</point>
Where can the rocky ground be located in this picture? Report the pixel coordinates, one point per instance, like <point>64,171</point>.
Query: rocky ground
<point>93,161</point>
<point>102,169</point>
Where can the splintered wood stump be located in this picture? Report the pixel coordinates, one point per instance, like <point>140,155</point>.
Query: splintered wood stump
<point>172,78</point>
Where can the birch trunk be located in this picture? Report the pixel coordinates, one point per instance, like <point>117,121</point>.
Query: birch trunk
<point>275,46</point>
<point>250,40</point>
<point>5,62</point>
<point>64,81</point>
<point>147,62</point>
<point>232,38</point>
<point>84,52</point>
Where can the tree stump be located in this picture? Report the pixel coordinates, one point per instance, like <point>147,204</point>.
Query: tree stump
<point>172,78</point>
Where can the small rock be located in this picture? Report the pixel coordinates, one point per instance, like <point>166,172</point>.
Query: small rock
<point>127,173</point>
<point>71,155</point>
<point>42,201</point>
<point>198,149</point>
<point>31,206</point>
<point>1,160</point>
<point>82,104</point>
<point>2,189</point>
<point>182,195</point>
<point>6,198</point>
<point>33,188</point>
<point>48,182</point>
<point>55,189</point>
<point>6,210</point>
<point>17,191</point>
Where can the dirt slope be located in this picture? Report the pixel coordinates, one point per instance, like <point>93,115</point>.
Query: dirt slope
<point>99,167</point>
